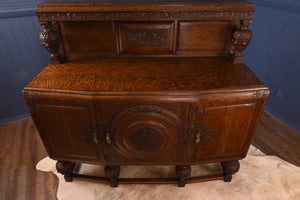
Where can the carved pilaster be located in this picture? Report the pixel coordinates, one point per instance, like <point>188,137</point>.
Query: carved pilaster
<point>112,172</point>
<point>50,39</point>
<point>65,168</point>
<point>230,168</point>
<point>240,39</point>
<point>182,172</point>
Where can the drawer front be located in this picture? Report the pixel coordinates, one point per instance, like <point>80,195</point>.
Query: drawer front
<point>146,38</point>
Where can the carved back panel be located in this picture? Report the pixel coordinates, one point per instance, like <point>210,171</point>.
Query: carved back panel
<point>142,29</point>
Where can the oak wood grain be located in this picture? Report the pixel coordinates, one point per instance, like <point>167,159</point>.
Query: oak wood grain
<point>194,5</point>
<point>146,74</point>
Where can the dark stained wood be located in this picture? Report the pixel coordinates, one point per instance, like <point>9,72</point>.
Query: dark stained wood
<point>153,110</point>
<point>197,28</point>
<point>212,177</point>
<point>230,168</point>
<point>20,150</point>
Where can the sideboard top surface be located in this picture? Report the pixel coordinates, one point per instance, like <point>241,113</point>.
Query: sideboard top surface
<point>130,5</point>
<point>146,75</point>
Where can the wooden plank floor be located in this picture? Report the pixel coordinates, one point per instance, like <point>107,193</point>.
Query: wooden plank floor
<point>21,149</point>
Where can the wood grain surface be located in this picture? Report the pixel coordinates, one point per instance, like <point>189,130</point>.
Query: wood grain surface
<point>20,151</point>
<point>146,74</point>
<point>164,5</point>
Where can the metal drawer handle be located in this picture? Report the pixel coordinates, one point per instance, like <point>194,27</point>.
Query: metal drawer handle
<point>95,138</point>
<point>108,138</point>
<point>198,140</point>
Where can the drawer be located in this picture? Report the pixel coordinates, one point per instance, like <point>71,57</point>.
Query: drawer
<point>146,38</point>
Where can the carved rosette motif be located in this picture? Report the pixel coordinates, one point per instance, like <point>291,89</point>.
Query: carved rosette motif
<point>146,139</point>
<point>50,39</point>
<point>140,132</point>
<point>240,39</point>
<point>260,93</point>
<point>126,15</point>
<point>153,38</point>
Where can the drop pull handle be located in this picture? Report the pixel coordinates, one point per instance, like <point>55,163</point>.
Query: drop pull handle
<point>108,138</point>
<point>95,138</point>
<point>198,139</point>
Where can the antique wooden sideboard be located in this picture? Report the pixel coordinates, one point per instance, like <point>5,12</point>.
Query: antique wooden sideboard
<point>161,83</point>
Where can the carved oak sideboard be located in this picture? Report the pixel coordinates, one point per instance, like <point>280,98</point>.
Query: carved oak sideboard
<point>146,84</point>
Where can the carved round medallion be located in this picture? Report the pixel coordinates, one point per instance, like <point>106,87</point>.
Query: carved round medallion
<point>146,139</point>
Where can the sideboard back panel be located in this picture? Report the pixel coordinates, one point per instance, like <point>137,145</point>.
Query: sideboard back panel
<point>204,37</point>
<point>113,38</point>
<point>88,38</point>
<point>146,37</point>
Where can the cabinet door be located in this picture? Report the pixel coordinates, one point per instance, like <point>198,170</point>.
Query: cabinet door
<point>68,132</point>
<point>225,131</point>
<point>145,134</point>
<point>144,130</point>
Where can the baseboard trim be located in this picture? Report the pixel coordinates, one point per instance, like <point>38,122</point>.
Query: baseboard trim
<point>14,119</point>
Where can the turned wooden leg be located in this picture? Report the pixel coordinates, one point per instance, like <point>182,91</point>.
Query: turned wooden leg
<point>112,172</point>
<point>182,172</point>
<point>66,169</point>
<point>230,168</point>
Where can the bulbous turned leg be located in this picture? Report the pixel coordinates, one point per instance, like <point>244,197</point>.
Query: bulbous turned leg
<point>66,169</point>
<point>182,172</point>
<point>112,172</point>
<point>230,168</point>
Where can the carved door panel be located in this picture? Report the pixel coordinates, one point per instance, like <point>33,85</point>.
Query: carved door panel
<point>145,132</point>
<point>224,131</point>
<point>68,132</point>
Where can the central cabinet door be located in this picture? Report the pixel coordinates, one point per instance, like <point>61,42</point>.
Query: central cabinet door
<point>145,132</point>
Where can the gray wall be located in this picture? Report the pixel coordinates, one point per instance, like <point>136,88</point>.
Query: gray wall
<point>273,54</point>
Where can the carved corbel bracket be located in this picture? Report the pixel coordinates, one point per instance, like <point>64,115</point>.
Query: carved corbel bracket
<point>50,39</point>
<point>240,39</point>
